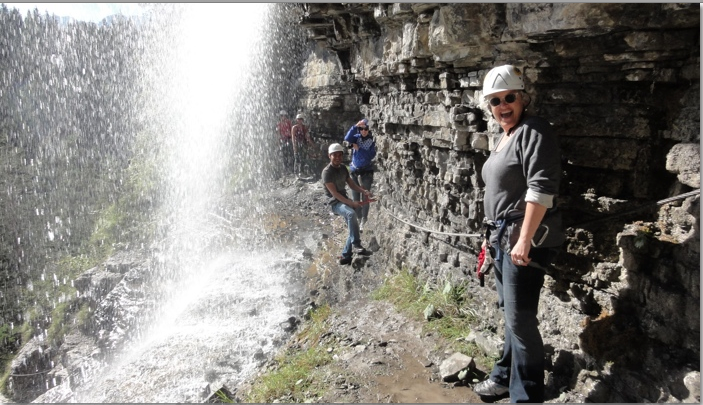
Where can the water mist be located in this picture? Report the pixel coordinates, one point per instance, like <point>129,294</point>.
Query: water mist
<point>204,308</point>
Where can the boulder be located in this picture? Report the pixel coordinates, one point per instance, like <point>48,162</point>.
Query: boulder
<point>684,160</point>
<point>456,363</point>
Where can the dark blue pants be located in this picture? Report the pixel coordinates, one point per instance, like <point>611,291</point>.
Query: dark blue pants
<point>365,180</point>
<point>521,368</point>
<point>349,215</point>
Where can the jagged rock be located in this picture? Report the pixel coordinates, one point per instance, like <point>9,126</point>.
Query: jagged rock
<point>490,345</point>
<point>290,324</point>
<point>110,288</point>
<point>97,282</point>
<point>684,160</point>
<point>221,395</point>
<point>307,253</point>
<point>692,382</point>
<point>373,244</point>
<point>61,393</point>
<point>450,368</point>
<point>28,369</point>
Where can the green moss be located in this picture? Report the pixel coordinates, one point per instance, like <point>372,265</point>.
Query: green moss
<point>8,337</point>
<point>83,316</point>
<point>59,326</point>
<point>7,370</point>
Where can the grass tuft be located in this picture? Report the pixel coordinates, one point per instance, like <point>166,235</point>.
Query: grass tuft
<point>295,378</point>
<point>451,313</point>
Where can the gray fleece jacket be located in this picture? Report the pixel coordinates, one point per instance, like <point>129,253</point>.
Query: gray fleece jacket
<point>530,160</point>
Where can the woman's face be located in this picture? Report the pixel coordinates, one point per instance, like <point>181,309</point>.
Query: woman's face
<point>507,113</point>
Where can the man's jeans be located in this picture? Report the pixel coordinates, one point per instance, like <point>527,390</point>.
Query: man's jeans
<point>522,366</point>
<point>349,215</point>
<point>365,180</point>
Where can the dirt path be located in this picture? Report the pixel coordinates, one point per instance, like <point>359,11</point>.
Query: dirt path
<point>380,355</point>
<point>389,359</point>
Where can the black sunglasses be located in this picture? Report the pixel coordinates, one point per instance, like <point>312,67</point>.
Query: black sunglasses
<point>363,128</point>
<point>509,99</point>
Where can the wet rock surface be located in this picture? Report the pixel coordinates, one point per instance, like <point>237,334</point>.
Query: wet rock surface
<point>120,350</point>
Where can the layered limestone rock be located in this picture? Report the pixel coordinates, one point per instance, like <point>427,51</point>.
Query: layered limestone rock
<point>620,85</point>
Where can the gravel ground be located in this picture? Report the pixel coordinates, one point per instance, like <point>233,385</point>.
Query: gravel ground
<point>380,355</point>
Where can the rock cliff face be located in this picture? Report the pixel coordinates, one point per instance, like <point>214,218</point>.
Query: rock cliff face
<point>620,311</point>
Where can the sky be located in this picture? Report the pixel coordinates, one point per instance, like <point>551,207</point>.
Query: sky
<point>94,12</point>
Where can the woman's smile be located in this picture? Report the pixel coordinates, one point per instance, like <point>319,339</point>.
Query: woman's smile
<point>508,114</point>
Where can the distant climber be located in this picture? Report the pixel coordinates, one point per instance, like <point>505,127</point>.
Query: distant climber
<point>304,149</point>
<point>285,144</point>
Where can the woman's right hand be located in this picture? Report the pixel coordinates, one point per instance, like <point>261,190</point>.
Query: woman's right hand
<point>360,124</point>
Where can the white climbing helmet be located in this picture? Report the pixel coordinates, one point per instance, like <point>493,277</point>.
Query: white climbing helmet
<point>335,147</point>
<point>283,112</point>
<point>299,117</point>
<point>502,78</point>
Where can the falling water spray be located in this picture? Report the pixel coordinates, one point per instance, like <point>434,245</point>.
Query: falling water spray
<point>164,176</point>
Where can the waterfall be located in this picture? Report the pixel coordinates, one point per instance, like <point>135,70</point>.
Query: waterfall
<point>152,135</point>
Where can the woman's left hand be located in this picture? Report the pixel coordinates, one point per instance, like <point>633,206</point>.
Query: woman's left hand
<point>519,254</point>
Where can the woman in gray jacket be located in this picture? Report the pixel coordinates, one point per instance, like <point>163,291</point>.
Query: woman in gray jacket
<point>522,178</point>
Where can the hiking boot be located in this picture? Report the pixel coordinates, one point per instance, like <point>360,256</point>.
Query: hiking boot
<point>490,388</point>
<point>360,250</point>
<point>345,260</point>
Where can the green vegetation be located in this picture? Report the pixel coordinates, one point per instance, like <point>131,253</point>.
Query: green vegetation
<point>296,378</point>
<point>447,310</point>
<point>60,324</point>
<point>8,339</point>
<point>54,294</point>
<point>644,234</point>
<point>83,316</point>
<point>224,397</point>
<point>101,242</point>
<point>6,371</point>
